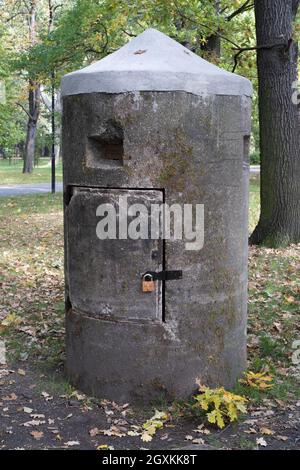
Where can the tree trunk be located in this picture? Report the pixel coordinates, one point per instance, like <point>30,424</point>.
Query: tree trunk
<point>30,148</point>
<point>212,47</point>
<point>57,145</point>
<point>33,115</point>
<point>33,97</point>
<point>279,222</point>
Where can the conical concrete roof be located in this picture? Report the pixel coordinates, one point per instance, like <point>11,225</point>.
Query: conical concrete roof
<point>154,62</point>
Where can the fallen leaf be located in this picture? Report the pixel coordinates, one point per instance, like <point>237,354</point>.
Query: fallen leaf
<point>93,432</point>
<point>11,397</point>
<point>78,395</point>
<point>261,442</point>
<point>72,443</point>
<point>200,429</point>
<point>251,431</point>
<point>21,372</point>
<point>4,373</point>
<point>47,396</point>
<point>146,437</point>
<point>282,438</point>
<point>27,410</point>
<point>133,433</point>
<point>37,435</point>
<point>113,431</point>
<point>198,441</point>
<point>153,424</point>
<point>105,447</point>
<point>33,422</point>
<point>266,431</point>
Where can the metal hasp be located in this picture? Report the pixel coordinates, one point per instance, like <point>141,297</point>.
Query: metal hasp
<point>165,275</point>
<point>155,124</point>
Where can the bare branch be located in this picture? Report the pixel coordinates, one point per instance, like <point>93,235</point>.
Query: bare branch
<point>286,45</point>
<point>216,33</point>
<point>12,17</point>
<point>246,6</point>
<point>128,34</point>
<point>25,110</point>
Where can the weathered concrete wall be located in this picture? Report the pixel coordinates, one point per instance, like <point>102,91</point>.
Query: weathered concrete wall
<point>194,148</point>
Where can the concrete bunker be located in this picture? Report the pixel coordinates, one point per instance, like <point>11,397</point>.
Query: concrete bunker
<point>161,127</point>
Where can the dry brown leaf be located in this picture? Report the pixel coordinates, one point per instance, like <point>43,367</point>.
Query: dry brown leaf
<point>112,431</point>
<point>282,438</point>
<point>94,432</point>
<point>37,435</point>
<point>266,431</point>
<point>198,441</point>
<point>251,431</point>
<point>11,397</point>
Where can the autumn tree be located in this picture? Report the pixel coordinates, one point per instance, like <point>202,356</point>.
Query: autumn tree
<point>34,94</point>
<point>26,21</point>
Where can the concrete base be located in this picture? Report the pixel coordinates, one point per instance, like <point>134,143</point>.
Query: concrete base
<point>141,362</point>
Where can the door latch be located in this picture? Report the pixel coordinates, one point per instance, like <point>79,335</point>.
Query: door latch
<point>165,275</point>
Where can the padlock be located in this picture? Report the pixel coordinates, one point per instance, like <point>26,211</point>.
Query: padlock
<point>148,284</point>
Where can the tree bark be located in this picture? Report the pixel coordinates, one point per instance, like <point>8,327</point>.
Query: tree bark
<point>277,53</point>
<point>33,115</point>
<point>33,97</point>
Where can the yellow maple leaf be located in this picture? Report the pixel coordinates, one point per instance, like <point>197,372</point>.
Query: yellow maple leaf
<point>259,380</point>
<point>146,437</point>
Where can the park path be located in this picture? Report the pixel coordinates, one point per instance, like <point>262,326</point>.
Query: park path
<point>20,189</point>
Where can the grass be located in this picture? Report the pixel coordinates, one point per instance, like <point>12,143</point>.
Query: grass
<point>11,173</point>
<point>31,283</point>
<point>31,276</point>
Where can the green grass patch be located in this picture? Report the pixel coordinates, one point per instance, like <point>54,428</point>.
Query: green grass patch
<point>11,173</point>
<point>26,205</point>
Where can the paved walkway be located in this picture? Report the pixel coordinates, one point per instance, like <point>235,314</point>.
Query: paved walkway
<point>19,189</point>
<point>255,169</point>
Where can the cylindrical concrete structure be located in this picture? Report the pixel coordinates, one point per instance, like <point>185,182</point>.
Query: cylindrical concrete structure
<point>153,123</point>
